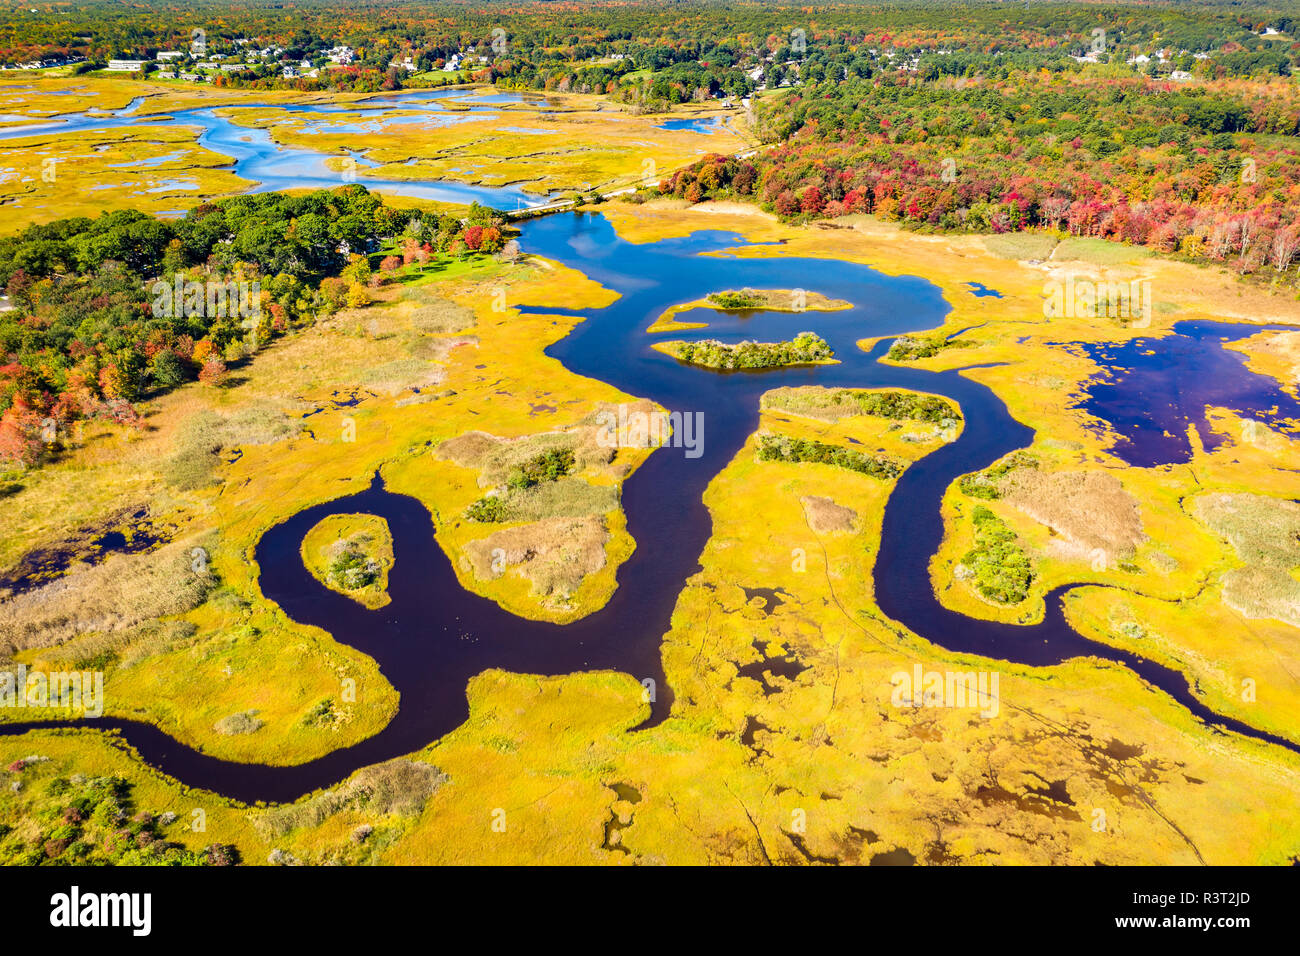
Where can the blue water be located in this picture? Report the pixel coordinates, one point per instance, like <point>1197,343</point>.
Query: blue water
<point>274,167</point>
<point>1152,389</point>
<point>434,635</point>
<point>709,124</point>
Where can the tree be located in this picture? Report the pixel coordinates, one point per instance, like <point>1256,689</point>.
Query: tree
<point>166,369</point>
<point>1286,243</point>
<point>786,204</point>
<point>811,201</point>
<point>410,250</point>
<point>213,372</point>
<point>20,443</point>
<point>202,349</point>
<point>358,296</point>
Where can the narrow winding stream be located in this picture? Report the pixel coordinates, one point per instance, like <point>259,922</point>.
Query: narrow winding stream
<point>434,635</point>
<point>255,156</point>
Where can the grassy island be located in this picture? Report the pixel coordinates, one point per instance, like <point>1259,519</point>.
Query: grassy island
<point>806,348</point>
<point>351,554</point>
<point>748,300</point>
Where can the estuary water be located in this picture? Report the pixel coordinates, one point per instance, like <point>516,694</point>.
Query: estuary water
<point>254,156</point>
<point>435,636</point>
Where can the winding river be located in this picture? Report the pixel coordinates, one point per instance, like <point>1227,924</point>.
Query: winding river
<point>435,636</point>
<point>255,156</point>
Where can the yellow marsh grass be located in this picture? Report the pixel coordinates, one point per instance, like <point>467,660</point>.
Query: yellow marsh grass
<point>368,534</point>
<point>546,751</point>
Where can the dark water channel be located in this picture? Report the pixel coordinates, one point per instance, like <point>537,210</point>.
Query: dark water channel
<point>435,636</point>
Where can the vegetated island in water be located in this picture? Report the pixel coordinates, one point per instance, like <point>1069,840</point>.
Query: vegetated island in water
<point>351,554</point>
<point>748,300</point>
<point>806,348</point>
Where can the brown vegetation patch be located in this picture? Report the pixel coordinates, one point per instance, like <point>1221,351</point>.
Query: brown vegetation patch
<point>494,457</point>
<point>122,649</point>
<point>244,722</point>
<point>397,787</point>
<point>554,554</point>
<point>825,516</point>
<point>123,591</point>
<point>1089,509</point>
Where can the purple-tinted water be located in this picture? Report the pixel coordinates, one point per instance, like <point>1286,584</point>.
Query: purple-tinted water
<point>434,635</point>
<point>1154,388</point>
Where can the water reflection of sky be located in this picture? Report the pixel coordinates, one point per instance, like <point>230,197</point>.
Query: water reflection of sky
<point>1152,388</point>
<point>276,167</point>
<point>707,124</point>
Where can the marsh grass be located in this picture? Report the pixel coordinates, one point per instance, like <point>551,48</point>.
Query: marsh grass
<point>397,787</point>
<point>207,433</point>
<point>244,722</point>
<point>1028,246</point>
<point>120,649</point>
<point>402,374</point>
<point>351,554</point>
<point>433,313</point>
<point>122,592</point>
<point>1265,533</point>
<point>1090,509</point>
<point>563,498</point>
<point>554,554</point>
<point>496,458</point>
<point>1100,252</point>
<point>824,516</point>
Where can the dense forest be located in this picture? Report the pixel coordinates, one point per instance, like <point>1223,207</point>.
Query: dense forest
<point>1209,172</point>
